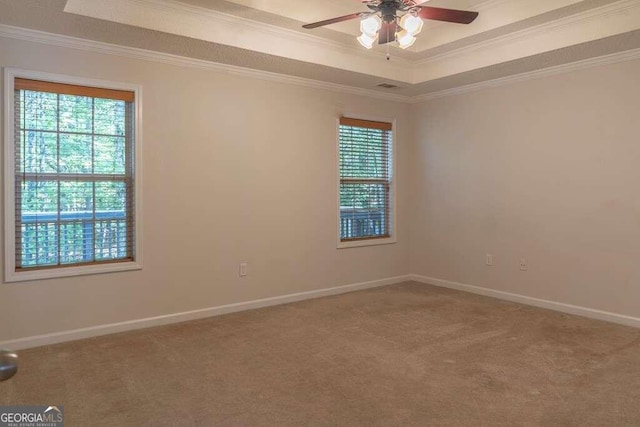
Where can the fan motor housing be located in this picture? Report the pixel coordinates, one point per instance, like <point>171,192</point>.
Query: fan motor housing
<point>388,9</point>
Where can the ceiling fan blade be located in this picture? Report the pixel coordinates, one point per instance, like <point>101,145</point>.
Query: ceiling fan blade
<point>335,20</point>
<point>447,15</point>
<point>388,32</point>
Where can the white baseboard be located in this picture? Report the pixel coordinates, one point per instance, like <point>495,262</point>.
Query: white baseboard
<point>76,334</point>
<point>94,331</point>
<point>537,302</point>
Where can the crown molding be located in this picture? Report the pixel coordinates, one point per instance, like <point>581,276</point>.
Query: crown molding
<point>532,32</point>
<point>165,58</point>
<point>494,14</point>
<point>614,58</point>
<point>181,61</point>
<point>197,22</point>
<point>202,23</point>
<point>199,12</point>
<point>483,7</point>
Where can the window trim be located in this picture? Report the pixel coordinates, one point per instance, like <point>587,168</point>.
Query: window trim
<point>370,241</point>
<point>11,275</point>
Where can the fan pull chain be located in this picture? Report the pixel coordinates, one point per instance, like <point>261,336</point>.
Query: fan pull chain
<point>387,46</point>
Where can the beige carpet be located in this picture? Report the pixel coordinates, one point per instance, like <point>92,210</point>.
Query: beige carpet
<point>407,354</point>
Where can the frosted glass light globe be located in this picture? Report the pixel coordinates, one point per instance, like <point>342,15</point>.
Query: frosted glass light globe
<point>371,25</point>
<point>412,24</point>
<point>366,40</point>
<point>405,39</point>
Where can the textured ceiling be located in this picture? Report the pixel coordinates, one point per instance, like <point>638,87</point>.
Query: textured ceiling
<point>506,43</point>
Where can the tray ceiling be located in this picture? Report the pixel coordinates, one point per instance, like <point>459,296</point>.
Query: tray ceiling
<point>509,36</point>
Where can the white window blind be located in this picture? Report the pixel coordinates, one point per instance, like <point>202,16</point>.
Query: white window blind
<point>365,179</point>
<point>74,175</point>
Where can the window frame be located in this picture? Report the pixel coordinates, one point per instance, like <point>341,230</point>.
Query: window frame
<point>11,275</point>
<point>370,241</point>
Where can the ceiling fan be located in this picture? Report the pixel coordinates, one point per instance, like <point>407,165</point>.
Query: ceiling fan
<point>386,16</point>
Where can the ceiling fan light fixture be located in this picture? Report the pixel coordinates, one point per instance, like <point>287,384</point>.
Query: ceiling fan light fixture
<point>405,39</point>
<point>366,40</point>
<point>385,18</point>
<point>371,25</point>
<point>412,24</point>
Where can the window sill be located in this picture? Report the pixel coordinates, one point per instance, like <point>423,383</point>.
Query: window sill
<point>366,242</point>
<point>53,273</point>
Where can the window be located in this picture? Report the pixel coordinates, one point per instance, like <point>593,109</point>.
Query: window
<point>366,171</point>
<point>71,178</point>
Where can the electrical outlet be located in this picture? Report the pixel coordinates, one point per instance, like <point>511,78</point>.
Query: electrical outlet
<point>489,259</point>
<point>243,269</point>
<point>523,264</point>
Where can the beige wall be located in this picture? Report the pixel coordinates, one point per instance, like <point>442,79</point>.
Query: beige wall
<point>548,170</point>
<point>255,160</point>
<point>545,169</point>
